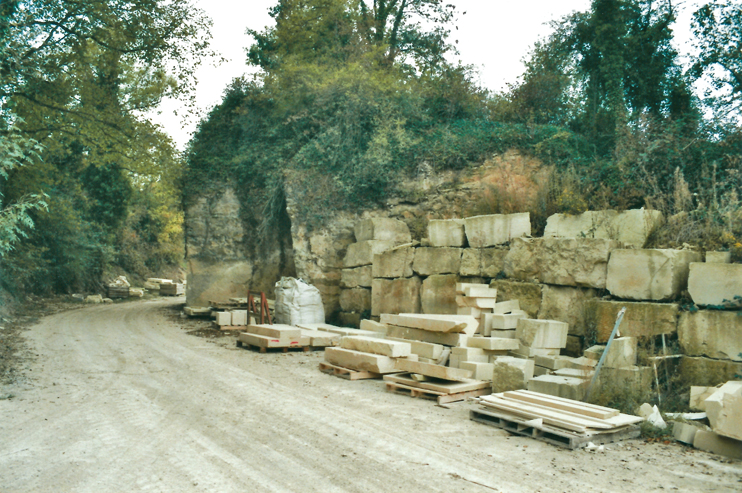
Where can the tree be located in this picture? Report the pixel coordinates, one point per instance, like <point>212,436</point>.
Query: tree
<point>717,27</point>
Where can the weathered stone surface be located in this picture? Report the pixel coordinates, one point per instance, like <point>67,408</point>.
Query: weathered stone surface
<point>707,372</point>
<point>435,371</point>
<point>276,331</point>
<point>715,284</point>
<point>382,228</point>
<point>724,408</point>
<point>550,334</point>
<point>718,257</point>
<point>485,262</point>
<point>575,345</point>
<point>423,349</point>
<point>713,333</point>
<point>565,262</point>
<point>471,262</point>
<point>446,233</point>
<point>373,326</point>
<point>393,349</point>
<point>394,263</point>
<point>396,332</point>
<point>362,253</point>
<point>355,300</point>
<point>684,432</point>
<point>621,354</point>
<point>496,229</point>
<point>567,387</point>
<point>358,277</point>
<point>395,296</point>
<point>511,373</point>
<point>239,317</point>
<point>480,371</point>
<point>640,319</point>
<point>438,294</point>
<point>503,321</point>
<point>649,274</point>
<point>223,318</point>
<point>492,343</point>
<point>717,444</point>
<point>698,396</point>
<point>567,304</point>
<point>431,261</point>
<point>631,227</point>
<point>356,360</point>
<point>635,380</point>
<point>528,294</point>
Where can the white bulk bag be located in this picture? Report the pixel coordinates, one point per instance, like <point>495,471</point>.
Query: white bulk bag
<point>298,303</point>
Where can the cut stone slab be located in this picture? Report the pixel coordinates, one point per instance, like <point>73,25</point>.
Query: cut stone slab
<point>579,262</point>
<point>362,253</point>
<point>631,227</point>
<point>622,353</point>
<point>356,360</point>
<point>637,379</point>
<point>707,372</point>
<point>503,334</point>
<point>262,341</point>
<point>504,307</point>
<point>452,339</point>
<point>438,294</point>
<point>441,260</point>
<point>394,263</point>
<point>540,370</point>
<point>320,338</point>
<point>594,352</point>
<point>433,323</point>
<point>550,334</point>
<point>572,372</point>
<point>496,229</point>
<point>698,395</point>
<point>511,373</point>
<point>575,345</point>
<point>239,317</point>
<point>343,331</point>
<point>724,409</point>
<point>649,274</point>
<point>434,371</point>
<point>492,343</point>
<point>640,319</point>
<point>715,284</point>
<point>385,347</point>
<point>471,311</point>
<point>481,303</point>
<point>713,333</point>
<point>684,432</point>
<point>716,444</point>
<point>503,321</point>
<point>480,371</point>
<point>223,318</point>
<point>531,352</point>
<point>446,233</point>
<point>484,262</point>
<point>528,295</point>
<point>462,286</point>
<point>349,319</point>
<point>553,362</point>
<point>395,296</point>
<point>423,349</point>
<point>718,257</point>
<point>567,304</point>
<point>580,363</point>
<point>355,300</point>
<point>567,387</point>
<point>467,353</point>
<point>275,331</point>
<point>373,326</point>
<point>358,277</point>
<point>382,228</point>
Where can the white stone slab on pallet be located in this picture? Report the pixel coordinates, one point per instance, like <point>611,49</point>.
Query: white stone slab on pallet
<point>267,341</point>
<point>276,331</point>
<point>395,331</point>
<point>492,343</point>
<point>434,371</point>
<point>384,347</point>
<point>433,323</point>
<point>223,318</point>
<point>356,360</point>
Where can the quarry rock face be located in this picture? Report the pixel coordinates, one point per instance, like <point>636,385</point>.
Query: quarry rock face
<point>564,262</point>
<point>649,274</point>
<point>395,296</point>
<point>438,294</point>
<point>715,283</point>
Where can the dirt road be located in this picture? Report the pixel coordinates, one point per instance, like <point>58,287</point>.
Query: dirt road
<point>122,398</point>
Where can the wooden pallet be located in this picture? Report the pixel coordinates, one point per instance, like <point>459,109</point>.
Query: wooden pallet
<point>347,373</point>
<point>551,434</point>
<point>441,397</point>
<point>284,349</point>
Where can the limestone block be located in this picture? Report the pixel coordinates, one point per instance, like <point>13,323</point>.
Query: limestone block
<point>707,372</point>
<point>373,326</point>
<point>632,380</point>
<point>581,363</point>
<point>531,352</point>
<point>724,408</point>
<point>320,338</point>
<point>590,224</point>
<point>684,432</point>
<point>718,257</point>
<point>564,262</point>
<point>349,319</point>
<point>481,303</point>
<point>553,362</point>
<point>713,333</point>
<point>640,319</point>
<point>423,349</point>
<point>393,349</point>
<point>698,396</point>
<point>358,277</point>
<point>471,262</point>
<point>485,262</point>
<point>511,373</point>
<point>382,228</point>
<point>239,317</point>
<point>276,331</point>
<point>468,353</point>
<point>397,332</point>
<point>394,263</point>
<point>343,331</point>
<point>356,360</point>
<point>446,233</point>
<point>572,372</point>
<point>267,341</point>
<point>503,321</point>
<point>594,352</point>
<point>496,229</point>
<point>493,343</point>
<point>540,370</point>
<point>567,304</point>
<point>649,274</point>
<point>223,318</point>
<point>567,387</point>
<point>395,296</point>
<point>527,294</point>
<point>480,371</point>
<point>550,334</point>
<point>355,300</point>
<point>715,284</point>
<point>362,253</point>
<point>434,371</point>
<point>634,226</point>
<point>502,334</point>
<point>622,353</point>
<point>442,260</point>
<point>438,294</point>
<point>717,444</point>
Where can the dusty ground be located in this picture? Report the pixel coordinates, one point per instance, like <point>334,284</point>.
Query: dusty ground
<point>127,397</point>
